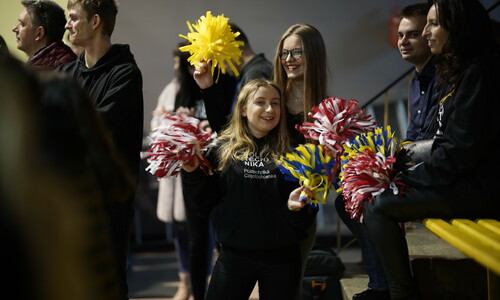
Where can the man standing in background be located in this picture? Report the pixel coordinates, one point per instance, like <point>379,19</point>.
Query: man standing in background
<point>114,82</point>
<point>39,34</point>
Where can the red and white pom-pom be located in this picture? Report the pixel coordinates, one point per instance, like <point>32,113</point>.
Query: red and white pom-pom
<point>178,138</point>
<point>365,176</point>
<point>336,121</point>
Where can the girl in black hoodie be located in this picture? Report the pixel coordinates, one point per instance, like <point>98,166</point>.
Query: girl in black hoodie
<point>260,220</point>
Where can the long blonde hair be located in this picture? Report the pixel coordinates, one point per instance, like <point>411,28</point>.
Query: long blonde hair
<point>237,142</point>
<point>315,65</point>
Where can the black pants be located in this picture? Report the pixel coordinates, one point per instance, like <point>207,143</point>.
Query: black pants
<point>197,203</point>
<point>200,252</point>
<point>371,261</point>
<point>237,271</point>
<point>383,215</point>
<point>120,220</point>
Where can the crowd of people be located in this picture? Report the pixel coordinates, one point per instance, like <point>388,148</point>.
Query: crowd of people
<point>75,135</point>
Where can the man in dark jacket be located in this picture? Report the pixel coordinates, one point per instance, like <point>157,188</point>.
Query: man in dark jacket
<point>39,34</point>
<point>114,82</point>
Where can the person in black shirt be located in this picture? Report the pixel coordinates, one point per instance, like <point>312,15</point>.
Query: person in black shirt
<point>260,219</point>
<point>113,80</point>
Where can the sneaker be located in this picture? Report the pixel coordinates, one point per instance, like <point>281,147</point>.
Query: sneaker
<point>371,294</point>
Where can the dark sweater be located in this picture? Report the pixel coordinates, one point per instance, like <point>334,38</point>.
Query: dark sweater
<point>465,153</point>
<point>250,199</point>
<point>114,83</point>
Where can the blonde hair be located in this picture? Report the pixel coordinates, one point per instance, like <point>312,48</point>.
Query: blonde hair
<point>315,70</point>
<point>237,143</point>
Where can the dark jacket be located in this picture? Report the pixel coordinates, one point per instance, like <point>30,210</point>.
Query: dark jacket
<point>114,83</point>
<point>466,148</point>
<point>218,101</point>
<point>51,57</point>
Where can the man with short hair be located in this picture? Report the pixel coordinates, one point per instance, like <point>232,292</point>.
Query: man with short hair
<point>114,82</point>
<point>422,105</point>
<point>39,34</point>
<point>415,50</point>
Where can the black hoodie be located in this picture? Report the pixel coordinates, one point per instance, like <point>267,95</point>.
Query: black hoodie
<point>249,199</point>
<point>114,83</point>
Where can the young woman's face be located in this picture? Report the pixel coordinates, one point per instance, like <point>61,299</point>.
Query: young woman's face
<point>292,57</point>
<point>435,34</point>
<point>263,111</point>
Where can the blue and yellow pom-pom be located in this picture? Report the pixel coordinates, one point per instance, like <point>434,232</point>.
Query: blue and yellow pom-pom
<point>380,140</point>
<point>312,167</point>
<point>367,168</point>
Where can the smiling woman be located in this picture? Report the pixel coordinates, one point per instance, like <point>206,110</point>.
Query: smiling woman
<point>436,35</point>
<point>258,234</point>
<point>300,70</point>
<point>263,111</point>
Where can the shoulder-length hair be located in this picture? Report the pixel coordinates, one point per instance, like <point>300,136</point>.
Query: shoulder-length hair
<point>237,142</point>
<point>469,36</point>
<point>315,65</point>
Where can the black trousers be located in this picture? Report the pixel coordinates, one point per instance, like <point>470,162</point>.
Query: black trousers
<point>236,272</point>
<point>383,215</point>
<point>120,222</point>
<point>197,203</point>
<point>371,261</point>
<point>201,247</point>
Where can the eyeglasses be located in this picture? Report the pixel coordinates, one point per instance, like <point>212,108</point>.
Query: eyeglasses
<point>296,53</point>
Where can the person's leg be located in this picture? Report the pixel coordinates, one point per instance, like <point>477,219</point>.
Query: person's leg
<point>280,274</point>
<point>377,282</point>
<point>197,218</point>
<point>305,247</point>
<point>181,244</point>
<point>198,228</point>
<point>120,220</point>
<point>210,248</point>
<point>382,217</point>
<point>234,275</point>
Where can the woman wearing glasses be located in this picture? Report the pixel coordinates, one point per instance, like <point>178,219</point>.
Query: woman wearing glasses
<point>300,70</point>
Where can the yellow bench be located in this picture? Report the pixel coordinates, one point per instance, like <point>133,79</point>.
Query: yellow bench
<point>479,240</point>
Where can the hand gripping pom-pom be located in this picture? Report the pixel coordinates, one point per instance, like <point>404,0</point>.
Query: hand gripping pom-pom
<point>312,167</point>
<point>367,168</point>
<point>364,177</point>
<point>213,40</point>
<point>178,138</point>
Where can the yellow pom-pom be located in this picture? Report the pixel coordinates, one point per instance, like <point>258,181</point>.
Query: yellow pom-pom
<point>211,38</point>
